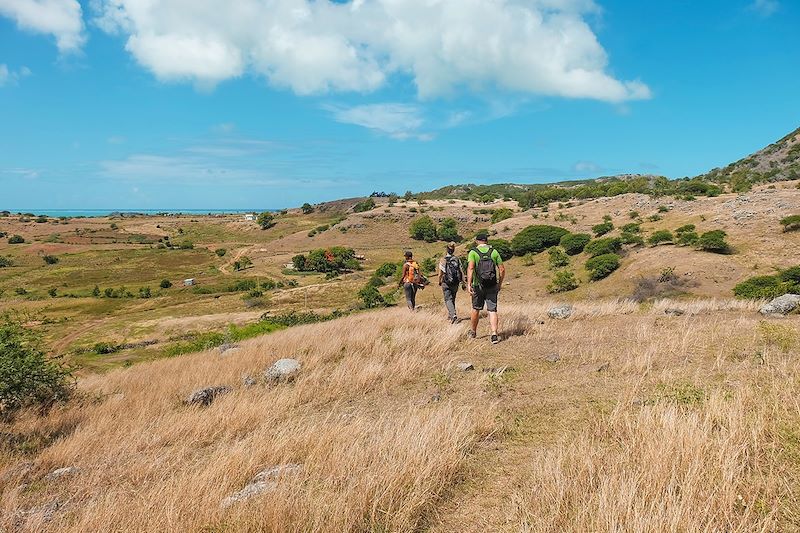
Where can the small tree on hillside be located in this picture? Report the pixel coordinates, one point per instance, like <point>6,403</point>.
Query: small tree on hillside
<point>714,242</point>
<point>16,239</point>
<point>307,208</point>
<point>423,229</point>
<point>448,231</point>
<point>266,220</point>
<point>558,257</point>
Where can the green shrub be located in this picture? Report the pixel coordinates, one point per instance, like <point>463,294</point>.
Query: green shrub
<point>602,266</point>
<point>602,229</point>
<point>307,208</point>
<point>688,228</point>
<point>633,214</point>
<point>105,348</point>
<point>536,238</point>
<point>27,376</point>
<point>365,205</point>
<point>186,245</point>
<point>791,223</point>
<point>145,292</point>
<point>5,262</point>
<point>633,239</point>
<point>563,281</point>
<point>574,243</point>
<point>688,238</point>
<point>52,292</point>
<point>20,291</point>
<point>663,209</point>
<point>558,257</point>
<point>448,231</point>
<point>165,284</point>
<point>333,260</point>
<point>266,220</point>
<point>16,239</point>
<point>660,236</point>
<point>371,298</point>
<point>386,270</point>
<point>428,265</point>
<point>633,227</point>
<point>607,245</point>
<point>50,259</point>
<point>714,242</point>
<point>761,287</point>
<point>221,252</point>
<point>501,214</point>
<point>503,247</point>
<point>654,218</point>
<point>791,275</point>
<point>423,229</point>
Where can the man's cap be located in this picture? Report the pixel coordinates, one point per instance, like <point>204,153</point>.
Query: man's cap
<point>482,236</point>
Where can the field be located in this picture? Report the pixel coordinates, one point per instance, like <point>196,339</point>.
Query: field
<point>620,418</point>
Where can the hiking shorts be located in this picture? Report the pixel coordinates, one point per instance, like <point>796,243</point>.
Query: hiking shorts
<point>485,296</point>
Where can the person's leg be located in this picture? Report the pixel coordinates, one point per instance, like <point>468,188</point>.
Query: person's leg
<point>449,301</point>
<point>408,289</point>
<point>493,322</point>
<point>478,300</point>
<point>413,297</point>
<point>491,306</point>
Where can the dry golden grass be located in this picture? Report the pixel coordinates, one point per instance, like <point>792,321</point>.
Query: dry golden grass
<point>647,422</point>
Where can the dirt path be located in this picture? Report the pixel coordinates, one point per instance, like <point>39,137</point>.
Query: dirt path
<point>236,257</point>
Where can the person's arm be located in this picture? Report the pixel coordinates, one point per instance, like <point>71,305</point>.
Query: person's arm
<point>501,269</point>
<point>463,275</point>
<point>470,271</point>
<point>403,276</point>
<point>442,267</point>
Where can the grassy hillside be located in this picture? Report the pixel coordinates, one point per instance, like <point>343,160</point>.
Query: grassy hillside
<point>617,418</point>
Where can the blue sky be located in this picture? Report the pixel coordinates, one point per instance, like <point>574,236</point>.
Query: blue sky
<point>270,103</point>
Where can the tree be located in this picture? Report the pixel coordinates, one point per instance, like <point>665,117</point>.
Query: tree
<point>408,195</point>
<point>563,281</point>
<point>27,375</point>
<point>536,238</point>
<point>96,291</point>
<point>423,229</point>
<point>307,208</point>
<point>365,205</point>
<point>50,259</point>
<point>16,239</point>
<point>299,262</point>
<point>370,297</point>
<point>660,236</point>
<point>714,242</point>
<point>144,292</point>
<point>266,220</point>
<point>448,231</point>
<point>165,284</point>
<point>221,252</point>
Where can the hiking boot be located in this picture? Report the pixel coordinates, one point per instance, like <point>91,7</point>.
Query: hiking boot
<point>495,338</point>
<point>471,334</point>
<point>454,320</point>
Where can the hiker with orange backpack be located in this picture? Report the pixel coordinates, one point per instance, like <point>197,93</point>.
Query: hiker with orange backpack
<point>451,275</point>
<point>485,274</point>
<point>411,280</point>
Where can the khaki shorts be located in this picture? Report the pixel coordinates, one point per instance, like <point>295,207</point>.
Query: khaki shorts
<point>485,296</point>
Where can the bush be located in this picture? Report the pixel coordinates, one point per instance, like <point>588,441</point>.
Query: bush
<point>791,275</point>
<point>186,245</point>
<point>761,287</point>
<point>503,247</point>
<point>423,229</point>
<point>5,262</point>
<point>688,238</point>
<point>660,236</point>
<point>16,239</point>
<point>654,218</point>
<point>50,259</point>
<point>386,270</point>
<point>371,298</point>
<point>791,223</point>
<point>165,284</point>
<point>633,214</point>
<point>558,257</point>
<point>366,205</point>
<point>501,214</point>
<point>602,229</point>
<point>266,220</point>
<point>27,376</point>
<point>602,266</point>
<point>574,243</point>
<point>563,281</point>
<point>714,242</point>
<point>307,208</point>
<point>428,265</point>
<point>663,209</point>
<point>333,260</point>
<point>105,348</point>
<point>448,231</point>
<point>221,252</point>
<point>633,239</point>
<point>145,292</point>
<point>607,245</point>
<point>688,228</point>
<point>633,227</point>
<point>52,292</point>
<point>536,238</point>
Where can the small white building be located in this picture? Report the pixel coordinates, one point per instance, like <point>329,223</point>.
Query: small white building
<point>188,282</point>
<point>250,217</point>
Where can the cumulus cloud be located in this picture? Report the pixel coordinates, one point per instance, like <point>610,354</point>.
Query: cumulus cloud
<point>541,47</point>
<point>60,18</point>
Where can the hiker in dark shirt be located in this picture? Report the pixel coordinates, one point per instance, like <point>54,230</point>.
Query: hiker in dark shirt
<point>451,275</point>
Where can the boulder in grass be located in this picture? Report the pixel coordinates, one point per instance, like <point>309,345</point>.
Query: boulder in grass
<point>264,481</point>
<point>782,305</point>
<point>466,366</point>
<point>560,312</point>
<point>282,371</point>
<point>207,395</point>
<point>59,473</point>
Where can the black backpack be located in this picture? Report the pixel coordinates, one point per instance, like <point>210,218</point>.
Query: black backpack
<point>452,270</point>
<point>485,268</point>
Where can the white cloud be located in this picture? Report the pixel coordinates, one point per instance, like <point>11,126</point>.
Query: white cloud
<point>11,77</point>
<point>528,46</point>
<point>587,167</point>
<point>60,18</point>
<point>399,121</point>
<point>765,8</point>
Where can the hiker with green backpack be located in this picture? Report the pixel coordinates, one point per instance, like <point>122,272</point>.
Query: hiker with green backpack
<point>485,272</point>
<point>451,275</point>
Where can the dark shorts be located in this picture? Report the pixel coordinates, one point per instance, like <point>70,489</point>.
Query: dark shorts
<point>485,296</point>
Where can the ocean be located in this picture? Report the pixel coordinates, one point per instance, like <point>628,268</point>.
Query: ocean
<point>71,213</point>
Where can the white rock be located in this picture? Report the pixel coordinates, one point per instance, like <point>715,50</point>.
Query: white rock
<point>560,312</point>
<point>283,370</point>
<point>264,481</point>
<point>782,305</point>
<point>58,473</point>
